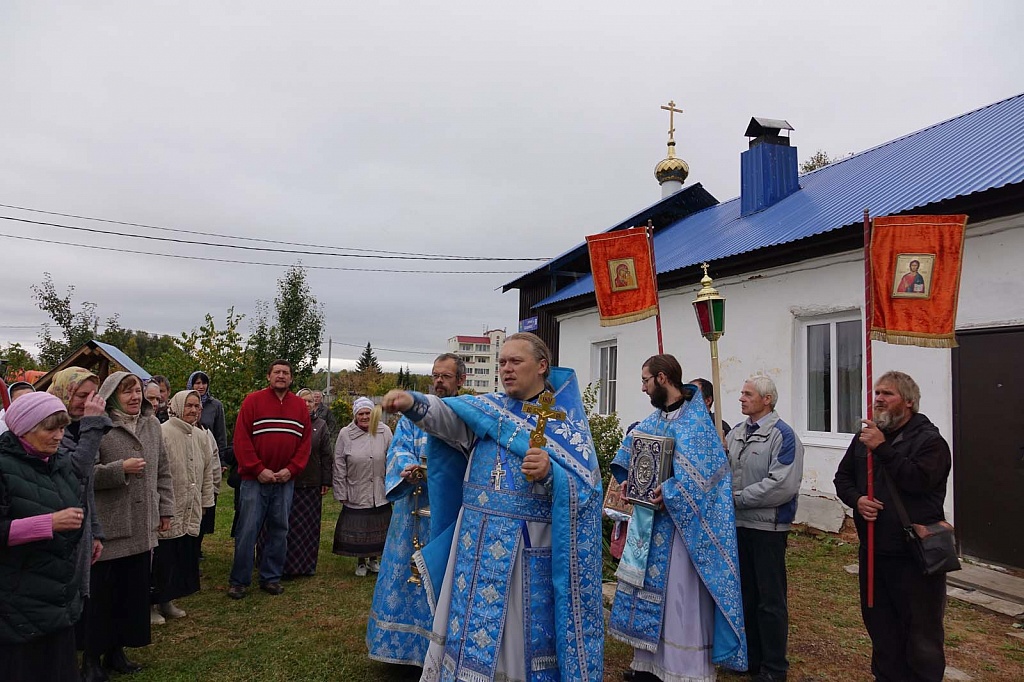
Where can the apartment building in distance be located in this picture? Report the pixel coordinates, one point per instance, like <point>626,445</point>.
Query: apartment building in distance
<point>481,356</point>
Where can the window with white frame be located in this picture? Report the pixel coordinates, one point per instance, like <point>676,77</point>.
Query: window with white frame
<point>833,367</point>
<point>607,354</point>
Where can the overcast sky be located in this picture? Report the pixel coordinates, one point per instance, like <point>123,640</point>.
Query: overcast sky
<point>462,128</point>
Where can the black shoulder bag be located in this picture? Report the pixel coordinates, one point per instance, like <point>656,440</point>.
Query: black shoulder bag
<point>932,545</point>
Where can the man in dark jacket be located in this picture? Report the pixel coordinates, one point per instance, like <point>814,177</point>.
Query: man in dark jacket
<point>905,624</point>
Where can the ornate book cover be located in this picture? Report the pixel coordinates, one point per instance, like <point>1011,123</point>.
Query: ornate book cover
<point>650,464</point>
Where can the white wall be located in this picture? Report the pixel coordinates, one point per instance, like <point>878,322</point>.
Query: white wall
<point>763,335</point>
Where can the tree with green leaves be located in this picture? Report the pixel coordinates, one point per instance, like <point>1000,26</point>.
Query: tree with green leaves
<point>76,327</point>
<point>367,362</point>
<point>819,159</point>
<point>17,359</point>
<point>296,331</point>
<point>221,353</point>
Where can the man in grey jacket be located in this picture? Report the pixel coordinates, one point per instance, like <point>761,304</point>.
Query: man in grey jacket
<point>767,462</point>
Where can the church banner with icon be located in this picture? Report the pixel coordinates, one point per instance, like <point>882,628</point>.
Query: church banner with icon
<point>915,279</point>
<point>624,278</point>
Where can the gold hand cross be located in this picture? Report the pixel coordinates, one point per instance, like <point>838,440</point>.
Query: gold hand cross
<point>544,411</point>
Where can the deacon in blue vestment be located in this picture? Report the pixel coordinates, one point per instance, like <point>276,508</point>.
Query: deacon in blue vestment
<point>400,619</point>
<point>678,601</point>
<point>513,569</point>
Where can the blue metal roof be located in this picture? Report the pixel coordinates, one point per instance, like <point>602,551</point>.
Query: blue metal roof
<point>122,359</point>
<point>974,152</point>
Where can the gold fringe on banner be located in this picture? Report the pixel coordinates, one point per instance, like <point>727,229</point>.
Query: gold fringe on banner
<point>626,318</point>
<point>911,339</point>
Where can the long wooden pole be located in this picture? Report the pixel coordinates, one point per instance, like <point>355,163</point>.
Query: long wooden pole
<point>654,270</point>
<point>869,413</point>
<point>716,378</point>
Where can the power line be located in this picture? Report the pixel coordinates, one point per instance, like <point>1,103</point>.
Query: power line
<point>428,256</point>
<point>252,248</point>
<point>389,350</point>
<point>273,265</point>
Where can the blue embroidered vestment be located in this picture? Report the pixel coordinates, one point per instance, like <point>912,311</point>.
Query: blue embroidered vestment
<point>563,626</point>
<point>398,630</point>
<point>698,505</point>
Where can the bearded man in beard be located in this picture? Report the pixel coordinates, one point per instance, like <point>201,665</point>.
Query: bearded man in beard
<point>905,623</point>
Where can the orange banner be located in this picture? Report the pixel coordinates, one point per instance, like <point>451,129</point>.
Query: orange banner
<point>915,275</point>
<point>624,278</point>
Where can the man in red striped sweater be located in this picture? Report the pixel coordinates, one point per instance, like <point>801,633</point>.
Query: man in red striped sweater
<point>272,439</point>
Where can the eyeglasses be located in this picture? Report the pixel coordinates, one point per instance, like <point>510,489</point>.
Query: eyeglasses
<point>644,380</point>
<point>446,376</point>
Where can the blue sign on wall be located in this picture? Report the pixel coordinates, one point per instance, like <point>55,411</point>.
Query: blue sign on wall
<point>528,325</point>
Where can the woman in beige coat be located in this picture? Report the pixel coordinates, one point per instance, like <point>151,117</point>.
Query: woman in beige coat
<point>190,456</point>
<point>360,460</point>
<point>134,500</point>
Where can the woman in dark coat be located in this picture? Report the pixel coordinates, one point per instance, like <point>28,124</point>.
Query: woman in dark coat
<point>211,419</point>
<point>42,514</point>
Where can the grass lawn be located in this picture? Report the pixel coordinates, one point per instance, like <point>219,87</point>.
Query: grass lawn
<point>315,631</point>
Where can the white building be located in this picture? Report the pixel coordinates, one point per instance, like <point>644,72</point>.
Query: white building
<point>788,257</point>
<point>480,354</point>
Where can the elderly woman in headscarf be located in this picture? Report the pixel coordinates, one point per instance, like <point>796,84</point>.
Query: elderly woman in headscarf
<point>78,390</point>
<point>42,516</point>
<point>134,500</point>
<point>189,454</point>
<point>360,461</point>
<point>15,390</point>
<point>212,419</point>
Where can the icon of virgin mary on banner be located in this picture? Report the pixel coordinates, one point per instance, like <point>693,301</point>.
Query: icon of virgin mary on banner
<point>624,278</point>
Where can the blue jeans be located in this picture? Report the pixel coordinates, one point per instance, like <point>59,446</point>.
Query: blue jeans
<point>259,504</point>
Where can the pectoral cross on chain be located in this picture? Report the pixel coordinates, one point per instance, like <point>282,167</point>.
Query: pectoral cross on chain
<point>544,411</point>
<point>497,475</point>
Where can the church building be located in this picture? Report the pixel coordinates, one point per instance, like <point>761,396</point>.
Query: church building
<point>788,256</point>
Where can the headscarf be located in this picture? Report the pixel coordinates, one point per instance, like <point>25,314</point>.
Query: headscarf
<point>26,412</point>
<point>176,405</point>
<point>206,379</point>
<point>17,386</point>
<point>109,390</point>
<point>362,404</point>
<point>67,381</point>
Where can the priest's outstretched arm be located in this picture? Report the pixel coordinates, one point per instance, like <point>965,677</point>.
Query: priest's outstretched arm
<point>431,414</point>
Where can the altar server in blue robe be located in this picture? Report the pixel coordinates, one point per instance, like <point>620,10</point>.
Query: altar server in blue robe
<point>678,600</point>
<point>513,569</point>
<point>400,619</point>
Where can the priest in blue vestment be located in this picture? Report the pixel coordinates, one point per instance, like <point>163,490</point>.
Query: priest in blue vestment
<point>513,569</point>
<point>678,600</point>
<point>398,630</point>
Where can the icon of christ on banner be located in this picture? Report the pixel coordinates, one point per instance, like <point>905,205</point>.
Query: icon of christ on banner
<point>913,275</point>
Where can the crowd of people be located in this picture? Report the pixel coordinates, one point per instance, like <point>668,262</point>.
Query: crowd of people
<point>480,518</point>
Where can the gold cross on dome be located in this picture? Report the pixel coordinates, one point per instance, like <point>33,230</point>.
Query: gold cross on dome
<point>672,111</point>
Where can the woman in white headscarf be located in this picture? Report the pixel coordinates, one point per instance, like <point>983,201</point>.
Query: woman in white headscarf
<point>360,460</point>
<point>134,500</point>
<point>190,459</point>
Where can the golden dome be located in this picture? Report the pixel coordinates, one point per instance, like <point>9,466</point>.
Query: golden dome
<point>672,167</point>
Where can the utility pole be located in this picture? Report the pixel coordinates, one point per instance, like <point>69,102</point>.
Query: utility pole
<point>329,344</point>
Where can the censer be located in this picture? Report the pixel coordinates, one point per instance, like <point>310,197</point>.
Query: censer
<point>417,477</point>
